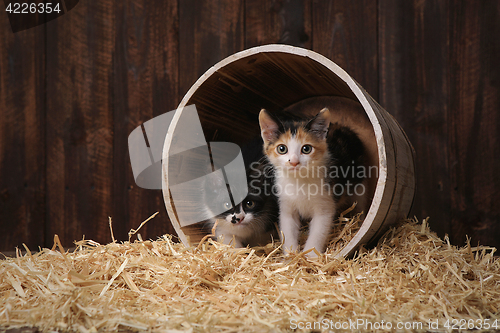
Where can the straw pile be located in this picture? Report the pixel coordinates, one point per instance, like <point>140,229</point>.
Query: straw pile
<point>411,277</point>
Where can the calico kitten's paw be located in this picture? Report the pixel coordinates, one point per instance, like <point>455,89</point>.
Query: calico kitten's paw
<point>288,252</point>
<point>291,248</point>
<point>312,254</point>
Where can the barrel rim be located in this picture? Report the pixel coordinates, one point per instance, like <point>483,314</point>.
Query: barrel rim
<point>381,188</point>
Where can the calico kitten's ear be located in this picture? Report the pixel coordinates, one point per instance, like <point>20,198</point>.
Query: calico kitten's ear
<point>320,123</point>
<point>269,127</point>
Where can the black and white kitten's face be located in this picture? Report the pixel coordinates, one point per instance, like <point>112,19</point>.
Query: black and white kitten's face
<point>245,213</point>
<point>250,222</point>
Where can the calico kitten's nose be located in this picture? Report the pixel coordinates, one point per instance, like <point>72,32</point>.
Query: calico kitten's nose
<point>294,160</point>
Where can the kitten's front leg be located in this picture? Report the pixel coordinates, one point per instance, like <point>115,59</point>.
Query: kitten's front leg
<point>290,228</point>
<point>228,238</point>
<point>319,230</point>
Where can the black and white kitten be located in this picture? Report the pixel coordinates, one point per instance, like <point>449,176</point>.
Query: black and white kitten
<point>251,222</point>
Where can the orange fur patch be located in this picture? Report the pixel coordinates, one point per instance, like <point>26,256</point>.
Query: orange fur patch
<point>320,147</point>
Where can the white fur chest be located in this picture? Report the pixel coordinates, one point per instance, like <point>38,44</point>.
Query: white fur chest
<point>305,196</point>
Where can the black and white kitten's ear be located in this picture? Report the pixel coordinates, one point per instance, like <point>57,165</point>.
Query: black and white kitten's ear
<point>320,123</point>
<point>269,126</point>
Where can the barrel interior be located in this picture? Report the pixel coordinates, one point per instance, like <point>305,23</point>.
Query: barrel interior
<point>234,94</point>
<point>229,99</point>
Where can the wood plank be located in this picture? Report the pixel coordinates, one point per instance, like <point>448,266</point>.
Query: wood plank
<point>271,21</point>
<point>209,31</point>
<point>475,121</point>
<point>80,123</point>
<point>145,86</point>
<point>346,32</point>
<point>413,57</point>
<point>22,136</point>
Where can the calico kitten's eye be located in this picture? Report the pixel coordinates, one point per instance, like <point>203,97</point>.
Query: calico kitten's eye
<point>282,149</point>
<point>306,149</point>
<point>249,204</point>
<point>227,205</point>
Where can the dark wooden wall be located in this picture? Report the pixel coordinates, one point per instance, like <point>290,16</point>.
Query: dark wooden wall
<point>72,90</point>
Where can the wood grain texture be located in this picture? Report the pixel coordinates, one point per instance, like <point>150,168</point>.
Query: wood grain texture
<point>209,31</point>
<point>346,32</point>
<point>22,136</point>
<point>145,85</point>
<point>475,121</point>
<point>80,123</point>
<point>278,21</point>
<point>413,48</point>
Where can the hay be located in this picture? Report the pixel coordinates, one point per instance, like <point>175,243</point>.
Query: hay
<point>411,277</point>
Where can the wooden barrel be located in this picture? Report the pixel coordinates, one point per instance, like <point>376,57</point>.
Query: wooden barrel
<point>229,96</point>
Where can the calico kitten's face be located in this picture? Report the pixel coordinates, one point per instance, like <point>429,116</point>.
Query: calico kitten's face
<point>295,145</point>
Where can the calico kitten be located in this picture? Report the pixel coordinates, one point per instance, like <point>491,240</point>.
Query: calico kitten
<point>308,164</point>
<point>251,222</point>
